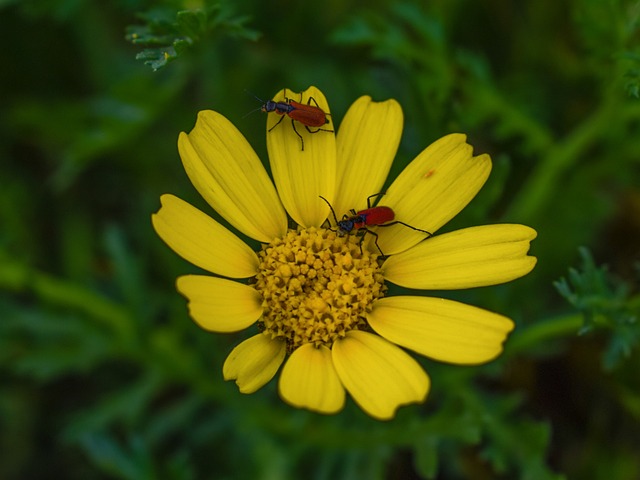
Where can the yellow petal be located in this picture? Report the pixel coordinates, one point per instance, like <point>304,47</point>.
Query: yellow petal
<point>309,380</point>
<point>379,376</point>
<point>431,190</point>
<point>201,240</point>
<point>220,305</point>
<point>254,362</point>
<point>471,257</point>
<point>441,329</point>
<point>367,141</point>
<point>228,174</point>
<point>302,175</point>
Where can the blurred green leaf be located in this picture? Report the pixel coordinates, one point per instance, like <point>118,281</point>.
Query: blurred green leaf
<point>426,457</point>
<point>48,290</point>
<point>170,35</point>
<point>128,462</point>
<point>122,406</point>
<point>516,444</point>
<point>632,75</point>
<point>606,304</point>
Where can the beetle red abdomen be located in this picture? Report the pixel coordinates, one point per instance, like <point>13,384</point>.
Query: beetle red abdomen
<point>377,215</point>
<point>308,115</point>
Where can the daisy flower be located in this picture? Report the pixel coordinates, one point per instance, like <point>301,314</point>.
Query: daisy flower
<point>317,300</point>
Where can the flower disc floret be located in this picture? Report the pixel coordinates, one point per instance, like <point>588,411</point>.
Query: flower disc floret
<point>316,286</point>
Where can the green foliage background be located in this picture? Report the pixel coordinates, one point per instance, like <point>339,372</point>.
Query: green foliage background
<point>103,375</point>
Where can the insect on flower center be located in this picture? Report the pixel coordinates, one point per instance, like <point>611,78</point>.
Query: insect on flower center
<point>316,286</point>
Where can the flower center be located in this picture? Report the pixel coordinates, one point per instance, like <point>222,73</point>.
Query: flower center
<point>316,286</point>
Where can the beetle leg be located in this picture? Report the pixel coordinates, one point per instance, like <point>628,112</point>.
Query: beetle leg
<point>277,123</point>
<point>293,124</point>
<point>373,196</point>
<point>406,225</point>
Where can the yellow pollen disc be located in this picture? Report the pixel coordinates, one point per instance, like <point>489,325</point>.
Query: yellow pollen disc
<point>316,286</point>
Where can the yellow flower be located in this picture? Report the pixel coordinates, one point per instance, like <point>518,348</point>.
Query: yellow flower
<point>318,298</point>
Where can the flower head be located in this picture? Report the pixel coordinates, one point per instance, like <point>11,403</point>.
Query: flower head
<point>318,297</point>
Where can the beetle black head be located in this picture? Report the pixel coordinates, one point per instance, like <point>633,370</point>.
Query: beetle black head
<point>345,227</point>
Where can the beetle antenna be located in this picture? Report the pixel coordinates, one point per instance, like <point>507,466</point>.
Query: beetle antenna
<point>254,95</point>
<point>331,208</point>
<point>252,111</point>
<point>257,98</point>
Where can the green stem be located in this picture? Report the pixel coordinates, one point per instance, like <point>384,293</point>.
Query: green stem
<point>536,136</point>
<point>549,173</point>
<point>559,327</point>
